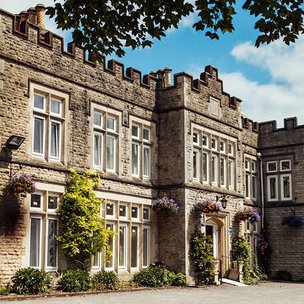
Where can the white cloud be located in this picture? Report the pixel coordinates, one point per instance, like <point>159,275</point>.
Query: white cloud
<point>283,96</point>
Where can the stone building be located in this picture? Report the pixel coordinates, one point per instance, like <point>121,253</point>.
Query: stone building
<point>145,137</point>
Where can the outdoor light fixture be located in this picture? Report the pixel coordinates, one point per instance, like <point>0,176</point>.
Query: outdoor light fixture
<point>223,200</point>
<point>14,142</point>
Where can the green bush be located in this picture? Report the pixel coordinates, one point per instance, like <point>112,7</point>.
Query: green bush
<point>4,291</point>
<point>179,280</point>
<point>31,281</point>
<point>283,275</point>
<point>75,280</point>
<point>158,276</point>
<point>105,280</point>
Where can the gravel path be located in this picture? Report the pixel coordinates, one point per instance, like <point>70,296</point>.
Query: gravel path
<point>268,293</point>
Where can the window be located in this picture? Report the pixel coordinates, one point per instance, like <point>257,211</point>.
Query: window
<point>141,151</point>
<point>131,244</point>
<point>279,182</point>
<point>213,163</point>
<point>43,249</point>
<point>48,123</point>
<point>105,141</point>
<point>196,164</point>
<point>250,178</point>
<point>272,188</point>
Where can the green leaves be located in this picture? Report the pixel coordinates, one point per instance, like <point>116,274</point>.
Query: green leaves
<point>83,232</point>
<point>109,26</point>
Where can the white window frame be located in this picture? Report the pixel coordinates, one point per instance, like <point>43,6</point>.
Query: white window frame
<point>281,162</point>
<point>54,114</point>
<point>114,153</point>
<point>137,159</point>
<point>39,217</point>
<point>146,176</point>
<point>59,139</point>
<point>127,211</point>
<point>149,213</point>
<point>195,143</point>
<point>137,245</point>
<point>231,173</point>
<point>224,185</point>
<point>207,167</point>
<point>215,182</point>
<point>268,188</point>
<point>283,198</point>
<point>43,136</point>
<point>125,253</point>
<point>101,139</point>
<point>148,228</point>
<point>138,212</point>
<point>44,102</point>
<point>114,209</point>
<point>196,164</point>
<point>271,162</point>
<point>50,268</point>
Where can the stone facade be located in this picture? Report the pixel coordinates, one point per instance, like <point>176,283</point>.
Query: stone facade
<point>145,136</point>
<point>281,146</point>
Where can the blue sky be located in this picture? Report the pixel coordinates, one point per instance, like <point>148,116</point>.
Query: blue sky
<point>269,80</point>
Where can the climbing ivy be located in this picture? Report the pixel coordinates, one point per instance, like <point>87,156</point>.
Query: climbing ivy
<point>201,253</point>
<point>83,231</point>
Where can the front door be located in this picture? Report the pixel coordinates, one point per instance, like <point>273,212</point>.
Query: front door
<point>212,230</point>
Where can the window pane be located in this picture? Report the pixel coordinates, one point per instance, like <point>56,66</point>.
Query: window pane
<point>223,172</point>
<point>254,187</point>
<point>122,246</point>
<point>214,169</point>
<point>205,141</point>
<point>247,185</point>
<point>110,209</point>
<point>195,137</point>
<point>110,261</point>
<point>146,247</point>
<point>52,202</point>
<point>39,101</point>
<point>134,246</point>
<point>285,165</point>
<point>205,167</point>
<point>52,244</point>
<point>286,186</point>
<point>97,120</point>
<point>271,166</point>
<point>222,146</point>
<point>273,187</point>
<point>123,210</point>
<point>146,213</point>
<point>111,123</point>
<point>146,134</point>
<point>134,213</point>
<point>36,200</point>
<point>147,162</point>
<point>110,152</point>
<point>35,242</point>
<point>135,159</point>
<point>38,135</point>
<point>196,162</point>
<point>135,131</point>
<point>55,106</point>
<point>98,149</point>
<point>55,139</point>
<point>231,173</point>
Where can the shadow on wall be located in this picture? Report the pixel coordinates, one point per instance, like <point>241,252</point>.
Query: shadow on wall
<point>9,212</point>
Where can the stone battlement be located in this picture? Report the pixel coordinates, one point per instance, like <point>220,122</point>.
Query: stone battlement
<point>271,126</point>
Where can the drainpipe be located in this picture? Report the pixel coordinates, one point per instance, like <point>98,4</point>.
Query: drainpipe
<point>259,155</point>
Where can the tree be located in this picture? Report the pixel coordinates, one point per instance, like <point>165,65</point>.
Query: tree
<point>107,26</point>
<point>83,232</point>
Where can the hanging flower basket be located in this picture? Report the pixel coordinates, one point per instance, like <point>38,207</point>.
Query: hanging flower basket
<point>293,220</point>
<point>247,213</point>
<point>165,204</point>
<point>206,205</point>
<point>22,184</point>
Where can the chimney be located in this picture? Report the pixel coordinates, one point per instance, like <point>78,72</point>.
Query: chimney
<point>32,17</point>
<point>167,77</point>
<point>153,74</point>
<point>40,8</point>
<point>23,16</point>
<point>21,25</point>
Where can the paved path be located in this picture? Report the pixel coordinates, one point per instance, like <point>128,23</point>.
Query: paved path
<point>265,293</point>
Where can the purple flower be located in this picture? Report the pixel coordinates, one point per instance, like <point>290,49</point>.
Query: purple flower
<point>166,204</point>
<point>207,205</point>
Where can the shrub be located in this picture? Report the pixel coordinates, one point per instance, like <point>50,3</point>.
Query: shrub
<point>201,253</point>
<point>4,291</point>
<point>105,280</point>
<point>75,280</point>
<point>31,281</point>
<point>153,276</point>
<point>283,275</point>
<point>179,280</point>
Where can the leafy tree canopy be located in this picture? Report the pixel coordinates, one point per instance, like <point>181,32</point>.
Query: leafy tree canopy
<point>107,26</point>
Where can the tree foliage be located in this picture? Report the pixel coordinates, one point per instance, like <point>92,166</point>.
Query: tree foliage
<point>107,26</point>
<point>83,232</point>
